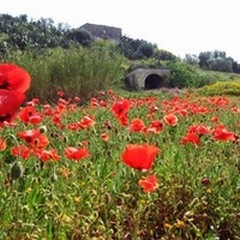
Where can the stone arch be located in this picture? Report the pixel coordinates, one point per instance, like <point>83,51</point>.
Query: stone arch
<point>153,81</point>
<point>147,78</point>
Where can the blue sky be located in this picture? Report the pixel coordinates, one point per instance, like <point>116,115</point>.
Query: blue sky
<point>179,26</point>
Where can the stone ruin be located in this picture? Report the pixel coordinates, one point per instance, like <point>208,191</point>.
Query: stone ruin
<point>103,32</point>
<point>147,78</point>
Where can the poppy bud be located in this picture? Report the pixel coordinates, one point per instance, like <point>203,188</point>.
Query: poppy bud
<point>205,181</point>
<point>43,129</point>
<point>16,171</point>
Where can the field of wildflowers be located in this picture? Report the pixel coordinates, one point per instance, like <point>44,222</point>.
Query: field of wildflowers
<point>143,167</point>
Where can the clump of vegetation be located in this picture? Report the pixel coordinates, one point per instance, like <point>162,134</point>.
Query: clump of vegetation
<point>222,88</point>
<point>77,71</point>
<point>183,75</point>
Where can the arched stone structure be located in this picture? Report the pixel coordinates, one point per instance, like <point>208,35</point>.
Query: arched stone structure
<point>149,78</point>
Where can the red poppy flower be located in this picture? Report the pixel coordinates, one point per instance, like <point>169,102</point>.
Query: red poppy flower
<point>94,102</point>
<point>123,120</point>
<point>3,144</point>
<point>39,142</point>
<point>29,135</point>
<point>121,107</point>
<point>183,112</point>
<point>74,126</point>
<point>149,184</point>
<point>33,102</point>
<point>214,119</point>
<point>36,118</point>
<point>35,139</point>
<point>9,103</point>
<point>21,150</point>
<point>46,155</point>
<point>14,82</point>
<point>109,92</point>
<point>60,93</point>
<point>191,137</point>
<point>156,126</point>
<point>26,113</point>
<point>140,156</point>
<point>87,122</point>
<point>105,137</point>
<point>76,153</point>
<point>76,99</point>
<point>14,78</point>
<point>222,134</point>
<point>199,129</point>
<point>235,109</point>
<point>137,125</point>
<point>171,119</point>
<point>103,103</point>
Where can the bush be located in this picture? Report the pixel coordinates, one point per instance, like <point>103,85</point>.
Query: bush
<point>77,71</point>
<point>183,75</point>
<point>222,88</point>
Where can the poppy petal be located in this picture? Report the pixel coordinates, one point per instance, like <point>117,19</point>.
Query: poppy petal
<point>9,104</point>
<point>14,78</point>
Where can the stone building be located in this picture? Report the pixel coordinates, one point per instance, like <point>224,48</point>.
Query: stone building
<point>147,78</point>
<point>103,32</point>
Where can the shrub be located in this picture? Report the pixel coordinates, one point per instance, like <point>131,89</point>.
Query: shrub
<point>77,71</point>
<point>183,75</point>
<point>222,88</point>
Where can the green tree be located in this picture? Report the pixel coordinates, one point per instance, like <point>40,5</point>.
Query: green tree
<point>146,49</point>
<point>191,59</point>
<point>163,55</point>
<point>136,49</point>
<point>205,59</point>
<point>80,36</point>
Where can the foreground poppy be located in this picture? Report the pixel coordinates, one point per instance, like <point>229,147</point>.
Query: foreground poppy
<point>14,78</point>
<point>14,82</point>
<point>140,156</point>
<point>149,184</point>
<point>9,104</point>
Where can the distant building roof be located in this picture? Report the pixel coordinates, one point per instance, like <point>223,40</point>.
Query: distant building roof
<point>103,32</point>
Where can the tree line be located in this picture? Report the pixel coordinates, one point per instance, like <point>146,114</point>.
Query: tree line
<point>19,33</point>
<point>215,60</point>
